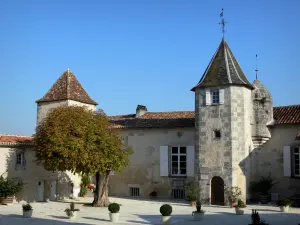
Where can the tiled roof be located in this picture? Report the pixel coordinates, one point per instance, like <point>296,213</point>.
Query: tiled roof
<point>223,69</point>
<point>297,137</point>
<point>155,120</point>
<point>287,114</point>
<point>282,115</point>
<point>67,87</point>
<point>6,139</point>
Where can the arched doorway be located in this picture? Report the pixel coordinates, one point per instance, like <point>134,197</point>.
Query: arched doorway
<point>217,191</point>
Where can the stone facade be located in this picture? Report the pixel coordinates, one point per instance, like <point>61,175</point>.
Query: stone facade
<point>144,171</point>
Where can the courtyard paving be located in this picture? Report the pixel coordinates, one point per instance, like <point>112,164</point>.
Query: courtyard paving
<point>139,212</point>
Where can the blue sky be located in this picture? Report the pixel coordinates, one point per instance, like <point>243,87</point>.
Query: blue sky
<point>126,53</point>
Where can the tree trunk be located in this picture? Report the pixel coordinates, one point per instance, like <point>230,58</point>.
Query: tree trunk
<point>101,192</point>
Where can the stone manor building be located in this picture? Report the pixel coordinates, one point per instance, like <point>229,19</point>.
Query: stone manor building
<point>233,136</point>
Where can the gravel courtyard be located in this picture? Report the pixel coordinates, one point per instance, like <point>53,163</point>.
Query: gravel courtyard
<point>141,212</point>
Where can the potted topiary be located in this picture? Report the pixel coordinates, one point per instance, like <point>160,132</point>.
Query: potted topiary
<point>192,191</point>
<point>284,204</point>
<point>256,218</point>
<point>199,213</point>
<point>71,212</point>
<point>166,211</point>
<point>233,195</point>
<point>27,210</point>
<point>239,207</point>
<point>114,214</point>
<point>7,190</point>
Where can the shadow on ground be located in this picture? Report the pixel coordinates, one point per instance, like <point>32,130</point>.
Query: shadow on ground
<point>224,218</point>
<point>14,219</point>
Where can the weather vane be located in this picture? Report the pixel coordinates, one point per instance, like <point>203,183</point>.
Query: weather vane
<point>256,70</point>
<point>222,22</point>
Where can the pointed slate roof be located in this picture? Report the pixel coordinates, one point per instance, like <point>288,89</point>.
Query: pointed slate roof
<point>67,87</point>
<point>223,69</point>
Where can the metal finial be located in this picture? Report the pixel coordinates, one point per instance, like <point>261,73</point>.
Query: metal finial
<point>256,70</point>
<point>222,22</point>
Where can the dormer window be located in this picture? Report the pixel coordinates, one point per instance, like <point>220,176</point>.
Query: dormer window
<point>215,96</point>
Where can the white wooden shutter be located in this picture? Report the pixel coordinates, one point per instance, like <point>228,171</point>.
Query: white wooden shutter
<point>190,161</point>
<point>164,161</point>
<point>207,97</point>
<point>287,161</point>
<point>221,96</point>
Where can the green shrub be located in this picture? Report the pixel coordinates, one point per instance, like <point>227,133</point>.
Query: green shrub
<point>284,202</point>
<point>83,190</point>
<point>8,187</point>
<point>114,207</point>
<point>192,191</point>
<point>27,207</point>
<point>166,210</point>
<point>240,204</point>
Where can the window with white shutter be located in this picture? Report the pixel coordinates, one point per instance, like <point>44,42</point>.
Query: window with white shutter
<point>296,163</point>
<point>221,93</point>
<point>207,97</point>
<point>190,161</point>
<point>164,161</point>
<point>287,161</point>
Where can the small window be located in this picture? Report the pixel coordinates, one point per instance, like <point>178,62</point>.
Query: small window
<point>134,192</point>
<point>215,97</point>
<point>19,159</point>
<point>178,193</point>
<point>217,133</point>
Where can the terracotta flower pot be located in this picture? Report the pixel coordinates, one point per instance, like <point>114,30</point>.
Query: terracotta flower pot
<point>193,203</point>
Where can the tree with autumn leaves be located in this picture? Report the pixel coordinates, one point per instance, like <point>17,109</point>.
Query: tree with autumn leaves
<point>81,141</point>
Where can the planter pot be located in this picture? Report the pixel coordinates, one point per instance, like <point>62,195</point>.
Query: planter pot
<point>73,215</point>
<point>284,208</point>
<point>6,200</point>
<point>27,213</point>
<point>83,196</point>
<point>264,199</point>
<point>239,211</point>
<point>198,216</point>
<point>193,203</point>
<point>114,217</point>
<point>165,219</point>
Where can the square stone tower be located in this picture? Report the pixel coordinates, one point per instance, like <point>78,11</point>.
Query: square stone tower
<point>66,91</point>
<point>223,110</point>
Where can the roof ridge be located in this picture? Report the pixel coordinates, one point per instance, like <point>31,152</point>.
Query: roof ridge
<point>286,106</point>
<point>14,135</point>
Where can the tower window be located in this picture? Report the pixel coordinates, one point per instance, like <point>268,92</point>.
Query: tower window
<point>215,97</point>
<point>217,133</point>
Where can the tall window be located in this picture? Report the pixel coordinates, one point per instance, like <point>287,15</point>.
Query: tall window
<point>178,156</point>
<point>215,97</point>
<point>297,161</point>
<point>19,159</point>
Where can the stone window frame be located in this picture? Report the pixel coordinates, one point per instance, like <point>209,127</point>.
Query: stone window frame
<point>296,156</point>
<point>215,96</point>
<point>178,154</point>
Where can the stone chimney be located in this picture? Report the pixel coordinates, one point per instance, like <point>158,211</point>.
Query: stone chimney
<point>140,110</point>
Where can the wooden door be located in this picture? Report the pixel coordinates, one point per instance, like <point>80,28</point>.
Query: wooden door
<point>217,191</point>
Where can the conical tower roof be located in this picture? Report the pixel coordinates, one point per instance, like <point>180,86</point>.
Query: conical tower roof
<point>223,69</point>
<point>67,87</point>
